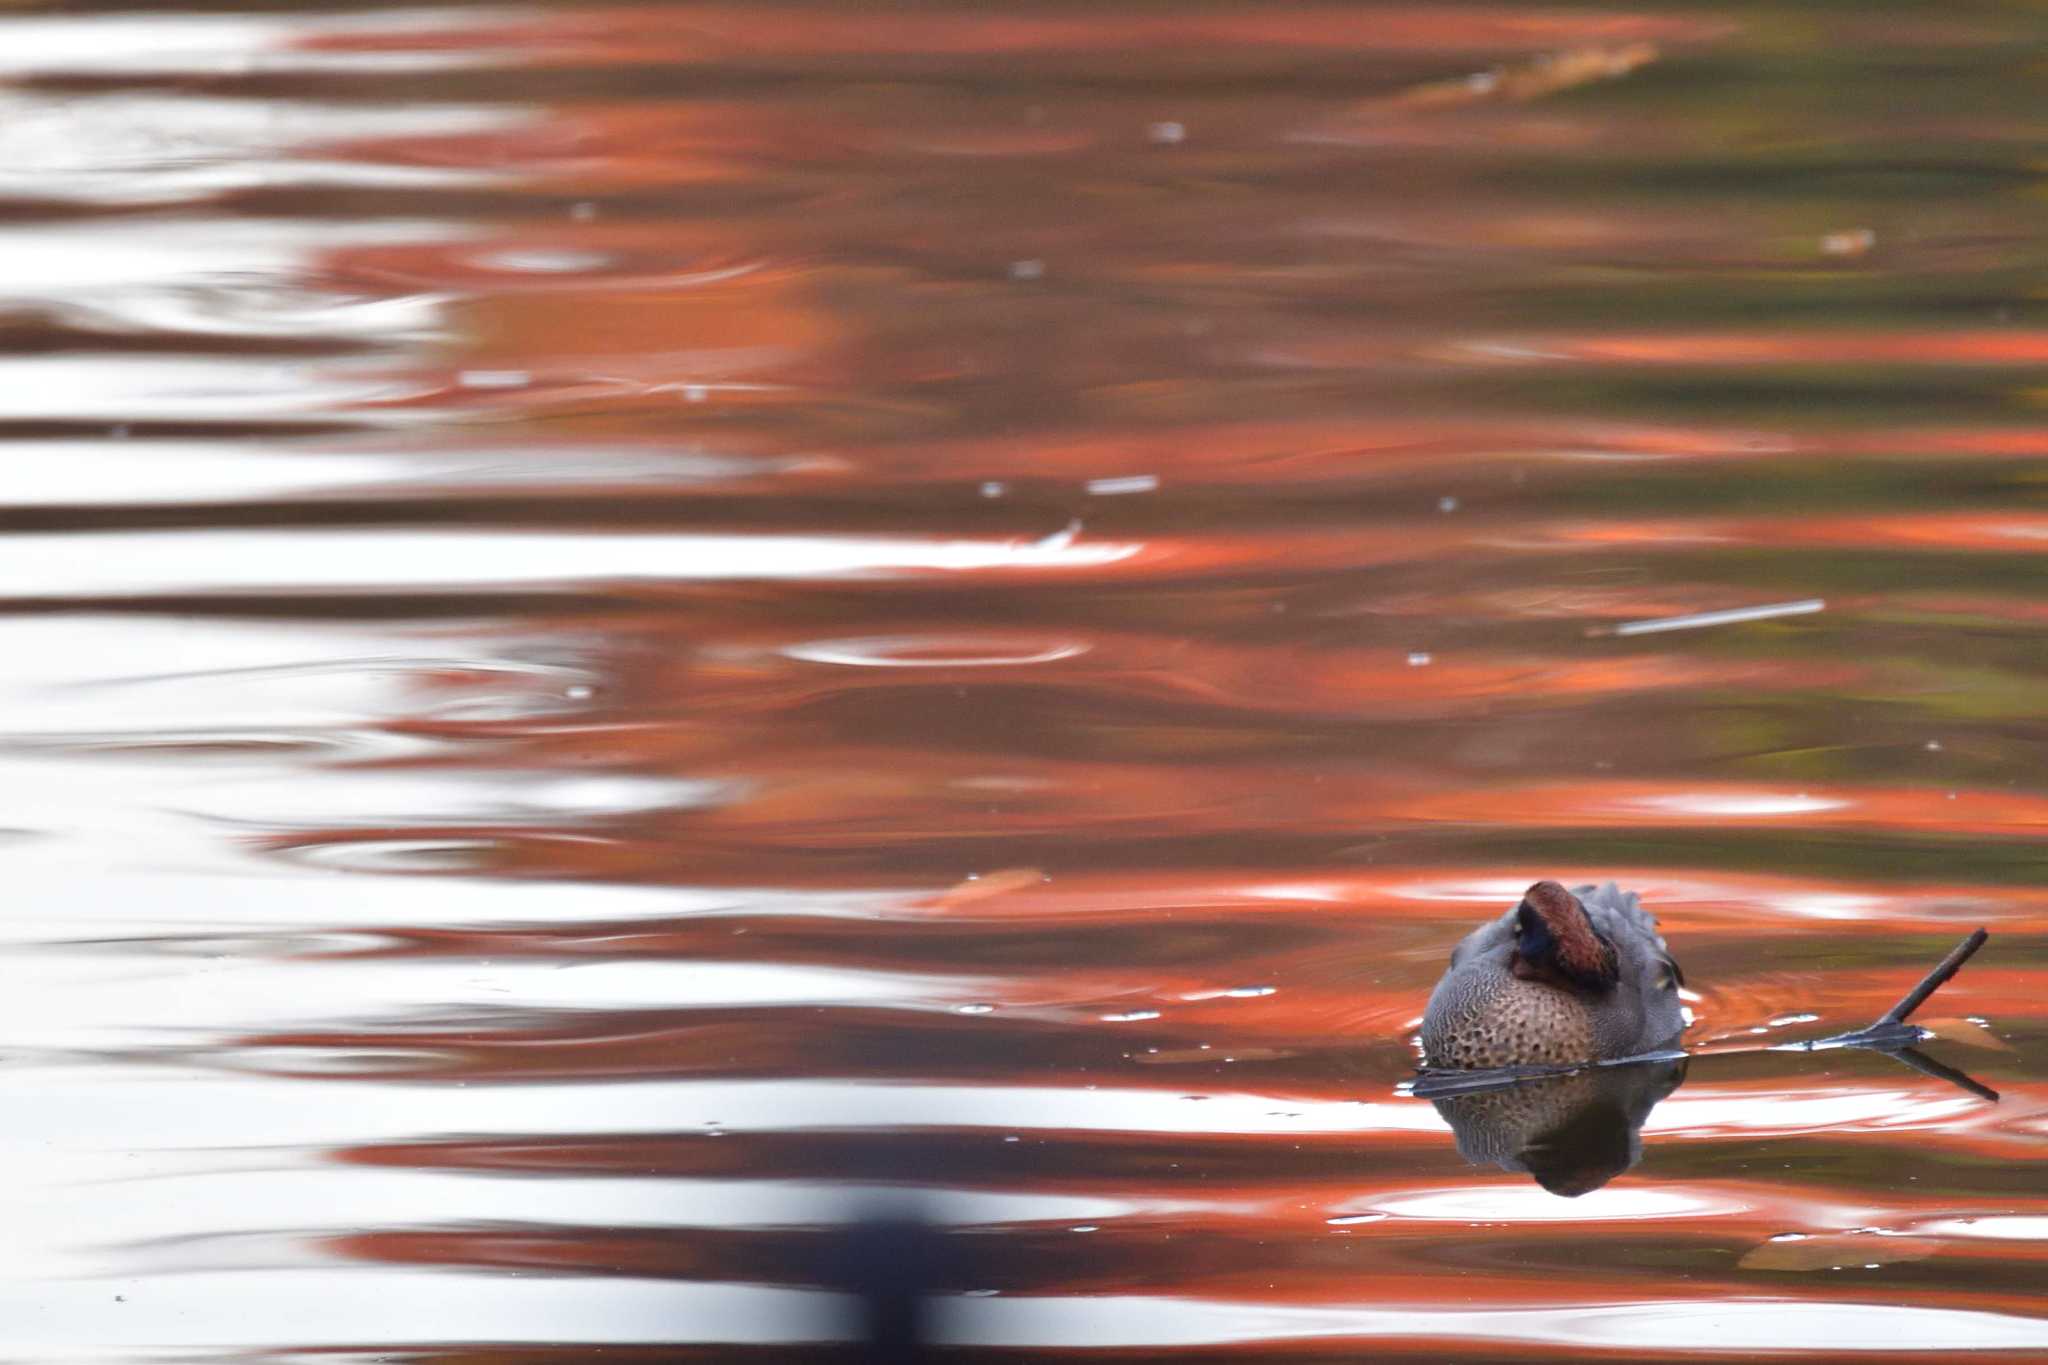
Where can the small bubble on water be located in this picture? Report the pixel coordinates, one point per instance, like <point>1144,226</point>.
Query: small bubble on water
<point>1167,133</point>
<point>695,393</point>
<point>1250,992</point>
<point>1446,504</point>
<point>994,488</point>
<point>976,1009</point>
<point>1130,1016</point>
<point>580,692</point>
<point>1418,658</point>
<point>1084,1227</point>
<point>1027,270</point>
<point>1933,746</point>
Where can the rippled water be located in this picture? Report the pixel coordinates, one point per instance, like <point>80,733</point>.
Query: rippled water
<point>626,626</point>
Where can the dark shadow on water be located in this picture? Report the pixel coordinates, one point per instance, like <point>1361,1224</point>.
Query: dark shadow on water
<point>890,1262</point>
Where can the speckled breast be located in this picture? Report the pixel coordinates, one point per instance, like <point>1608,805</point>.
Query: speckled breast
<point>1511,1022</point>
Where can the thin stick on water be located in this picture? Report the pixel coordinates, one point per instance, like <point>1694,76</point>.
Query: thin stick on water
<point>1890,1031</point>
<point>1733,616</point>
<point>1935,979</point>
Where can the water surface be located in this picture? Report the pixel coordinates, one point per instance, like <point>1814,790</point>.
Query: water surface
<point>628,626</point>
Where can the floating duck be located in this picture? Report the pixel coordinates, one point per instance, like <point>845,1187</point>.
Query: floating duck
<point>1555,1032</point>
<point>1565,977</point>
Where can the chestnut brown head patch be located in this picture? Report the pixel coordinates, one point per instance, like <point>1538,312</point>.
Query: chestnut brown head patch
<point>1561,937</point>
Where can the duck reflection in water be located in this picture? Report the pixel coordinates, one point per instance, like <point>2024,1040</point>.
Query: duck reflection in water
<point>1555,1032</point>
<point>1572,1133</point>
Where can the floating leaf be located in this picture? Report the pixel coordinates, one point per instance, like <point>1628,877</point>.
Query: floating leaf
<point>1967,1032</point>
<point>1837,1251</point>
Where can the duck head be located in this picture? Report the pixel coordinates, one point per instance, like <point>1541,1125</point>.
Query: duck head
<point>1556,943</point>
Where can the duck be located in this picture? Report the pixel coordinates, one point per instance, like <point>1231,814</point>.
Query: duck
<point>1564,978</point>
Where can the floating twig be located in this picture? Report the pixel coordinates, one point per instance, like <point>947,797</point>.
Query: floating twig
<point>1768,611</point>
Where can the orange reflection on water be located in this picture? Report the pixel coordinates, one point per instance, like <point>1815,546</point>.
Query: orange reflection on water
<point>633,623</point>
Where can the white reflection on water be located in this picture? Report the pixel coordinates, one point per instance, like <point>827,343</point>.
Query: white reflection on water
<point>229,45</point>
<point>182,1000</point>
<point>53,901</point>
<point>243,1307</point>
<point>1705,1112</point>
<point>145,679</point>
<point>936,651</point>
<point>155,149</point>
<point>2002,1227</point>
<point>264,1308</point>
<point>373,799</point>
<point>1680,1325</point>
<point>213,1111</point>
<point>127,1216</point>
<point>312,559</point>
<point>138,472</point>
<point>1526,1203</point>
<point>107,1099</point>
<point>119,389</point>
<point>1741,805</point>
<point>108,270</point>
